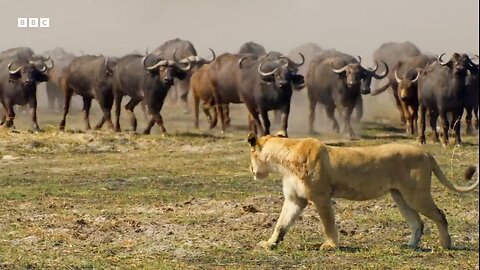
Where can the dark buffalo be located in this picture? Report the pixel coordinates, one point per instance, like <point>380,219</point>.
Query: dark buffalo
<point>442,89</point>
<point>261,83</point>
<point>404,81</point>
<point>391,53</point>
<point>90,77</point>
<point>20,72</point>
<point>309,50</point>
<point>185,52</point>
<point>147,78</point>
<point>54,93</point>
<point>252,48</point>
<point>471,102</point>
<point>337,83</point>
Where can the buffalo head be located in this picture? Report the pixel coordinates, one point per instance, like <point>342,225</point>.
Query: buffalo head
<point>283,72</point>
<point>167,70</point>
<point>460,64</point>
<point>195,60</point>
<point>356,74</point>
<point>407,83</point>
<point>30,73</point>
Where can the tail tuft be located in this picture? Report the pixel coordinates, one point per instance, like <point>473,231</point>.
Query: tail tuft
<point>469,172</point>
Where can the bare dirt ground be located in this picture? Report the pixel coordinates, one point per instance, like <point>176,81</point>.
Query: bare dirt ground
<point>104,200</point>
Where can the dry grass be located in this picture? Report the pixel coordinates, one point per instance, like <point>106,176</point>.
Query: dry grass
<point>101,200</point>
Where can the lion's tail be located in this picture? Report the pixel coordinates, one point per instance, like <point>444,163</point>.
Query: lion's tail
<point>443,179</point>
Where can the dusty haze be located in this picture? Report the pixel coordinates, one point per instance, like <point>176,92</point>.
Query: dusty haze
<point>357,27</point>
<point>115,28</point>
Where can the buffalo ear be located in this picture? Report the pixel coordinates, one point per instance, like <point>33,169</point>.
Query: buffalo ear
<point>268,79</point>
<point>298,81</point>
<point>14,77</point>
<point>252,139</point>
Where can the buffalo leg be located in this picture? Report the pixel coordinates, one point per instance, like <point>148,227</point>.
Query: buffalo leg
<point>398,103</point>
<point>129,107</point>
<point>266,121</point>
<point>196,110</point>
<point>457,119</point>
<point>156,118</point>
<point>331,115</point>
<point>408,118</point>
<point>66,107</point>
<point>32,103</point>
<point>284,121</point>
<point>10,115</point>
<point>423,114</point>
<point>106,103</point>
<point>311,115</point>
<point>3,112</point>
<point>446,127</point>
<point>415,119</point>
<point>256,122</point>
<point>226,114</point>
<point>118,104</point>
<point>468,121</point>
<point>433,125</point>
<point>359,109</point>
<point>347,115</point>
<point>87,104</point>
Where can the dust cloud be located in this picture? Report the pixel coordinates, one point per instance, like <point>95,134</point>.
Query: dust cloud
<point>115,28</point>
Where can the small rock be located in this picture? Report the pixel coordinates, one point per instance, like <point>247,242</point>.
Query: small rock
<point>250,209</point>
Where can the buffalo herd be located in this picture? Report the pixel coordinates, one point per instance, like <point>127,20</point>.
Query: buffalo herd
<point>422,85</point>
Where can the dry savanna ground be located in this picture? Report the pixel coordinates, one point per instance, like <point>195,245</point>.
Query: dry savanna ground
<point>104,200</point>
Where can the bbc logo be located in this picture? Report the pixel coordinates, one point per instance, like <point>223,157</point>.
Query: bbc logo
<point>33,22</point>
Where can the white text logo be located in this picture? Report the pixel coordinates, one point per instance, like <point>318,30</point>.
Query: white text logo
<point>33,22</point>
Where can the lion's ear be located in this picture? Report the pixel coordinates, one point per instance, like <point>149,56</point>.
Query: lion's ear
<point>252,139</point>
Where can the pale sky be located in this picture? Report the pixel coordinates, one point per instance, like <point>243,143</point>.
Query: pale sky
<point>115,27</point>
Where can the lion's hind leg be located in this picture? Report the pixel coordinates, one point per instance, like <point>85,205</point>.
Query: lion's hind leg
<point>411,216</point>
<point>291,210</point>
<point>422,201</point>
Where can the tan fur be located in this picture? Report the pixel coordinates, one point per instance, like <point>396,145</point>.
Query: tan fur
<point>313,171</point>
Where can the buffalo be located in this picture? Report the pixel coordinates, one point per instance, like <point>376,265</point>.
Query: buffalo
<point>89,76</point>
<point>337,80</point>
<point>442,90</point>
<point>21,71</point>
<point>471,102</point>
<point>404,82</point>
<point>145,78</point>
<point>391,53</point>
<point>263,83</point>
<point>54,93</point>
<point>185,52</point>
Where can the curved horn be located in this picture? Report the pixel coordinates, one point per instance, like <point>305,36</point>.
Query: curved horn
<point>440,61</point>
<point>106,61</point>
<point>159,63</point>
<point>396,77</point>
<point>241,60</point>
<point>470,60</point>
<point>178,63</point>
<point>44,68</point>
<point>416,77</point>
<point>375,68</point>
<point>214,56</point>
<point>49,61</point>
<point>359,59</point>
<point>339,70</point>
<point>302,62</point>
<point>146,51</point>
<point>382,75</point>
<point>265,73</point>
<point>187,68</point>
<point>13,71</point>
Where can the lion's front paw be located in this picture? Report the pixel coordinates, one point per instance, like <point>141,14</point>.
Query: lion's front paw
<point>328,245</point>
<point>267,245</point>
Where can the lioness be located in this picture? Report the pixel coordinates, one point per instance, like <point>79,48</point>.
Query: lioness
<point>313,171</point>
